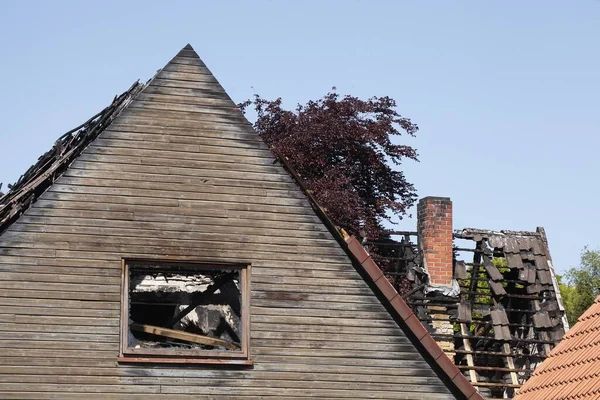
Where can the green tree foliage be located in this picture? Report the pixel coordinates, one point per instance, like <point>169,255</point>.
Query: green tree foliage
<point>581,285</point>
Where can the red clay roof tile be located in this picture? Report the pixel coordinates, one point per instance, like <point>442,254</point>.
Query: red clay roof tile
<point>572,369</point>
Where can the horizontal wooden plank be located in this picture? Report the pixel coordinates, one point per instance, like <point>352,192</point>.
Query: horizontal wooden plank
<point>324,351</point>
<point>105,264</point>
<point>181,134</point>
<point>186,76</point>
<point>175,221</point>
<point>181,189</point>
<point>323,321</point>
<point>373,315</point>
<point>58,338</point>
<point>190,90</point>
<point>114,253</point>
<point>42,275</point>
<point>56,286</point>
<point>157,161</point>
<point>196,376</point>
<point>183,96</point>
<point>46,303</point>
<point>343,357</point>
<point>269,369</point>
<point>219,382</point>
<point>47,387</point>
<point>81,361</point>
<point>193,153</point>
<point>307,288</point>
<point>294,296</point>
<point>207,139</point>
<point>54,311</point>
<point>417,362</point>
<point>171,120</point>
<point>285,392</point>
<point>316,345</point>
<point>218,176</point>
<point>47,328</point>
<point>66,320</point>
<point>112,347</point>
<point>312,303</point>
<point>155,114</point>
<point>112,240</point>
<point>120,200</point>
<point>269,270</point>
<point>181,59</point>
<point>51,260</point>
<point>288,394</point>
<point>162,192</point>
<point>353,330</point>
<point>104,204</point>
<point>103,376</point>
<point>39,237</point>
<point>227,113</point>
<point>199,148</point>
<point>189,54</point>
<point>25,291</point>
<point>112,396</point>
<point>278,280</point>
<point>191,68</point>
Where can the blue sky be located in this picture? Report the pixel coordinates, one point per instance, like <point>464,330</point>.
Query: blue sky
<point>505,93</point>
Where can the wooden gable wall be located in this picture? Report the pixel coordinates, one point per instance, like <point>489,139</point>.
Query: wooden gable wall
<point>181,175</point>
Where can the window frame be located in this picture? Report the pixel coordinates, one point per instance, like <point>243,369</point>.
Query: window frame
<point>168,356</point>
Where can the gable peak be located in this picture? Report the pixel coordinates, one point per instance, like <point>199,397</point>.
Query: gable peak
<point>188,51</point>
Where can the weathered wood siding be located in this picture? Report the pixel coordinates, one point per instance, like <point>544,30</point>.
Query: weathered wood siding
<point>181,175</point>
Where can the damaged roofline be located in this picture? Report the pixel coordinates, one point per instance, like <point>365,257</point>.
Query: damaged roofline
<point>390,298</point>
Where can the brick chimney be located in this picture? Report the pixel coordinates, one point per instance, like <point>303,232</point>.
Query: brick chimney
<point>434,226</point>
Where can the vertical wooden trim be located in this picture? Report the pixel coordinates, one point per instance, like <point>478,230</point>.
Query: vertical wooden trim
<point>246,307</point>
<point>124,307</point>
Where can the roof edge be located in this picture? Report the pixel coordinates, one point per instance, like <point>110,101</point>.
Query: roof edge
<point>388,296</point>
<point>51,165</point>
<point>404,312</point>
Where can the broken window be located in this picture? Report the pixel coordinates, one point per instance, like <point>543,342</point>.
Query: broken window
<point>184,310</point>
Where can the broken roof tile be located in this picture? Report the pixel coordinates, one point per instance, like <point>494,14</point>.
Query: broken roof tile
<point>514,260</point>
<point>460,270</point>
<point>464,311</point>
<point>497,288</point>
<point>541,319</point>
<point>541,263</point>
<point>491,270</point>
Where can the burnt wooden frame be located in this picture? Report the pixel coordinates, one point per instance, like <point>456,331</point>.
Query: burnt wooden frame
<point>242,357</point>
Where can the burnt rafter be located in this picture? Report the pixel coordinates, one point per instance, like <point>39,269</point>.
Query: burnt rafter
<point>50,166</point>
<point>202,296</point>
<point>508,315</point>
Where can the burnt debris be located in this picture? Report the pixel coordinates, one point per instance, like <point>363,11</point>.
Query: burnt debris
<point>183,308</point>
<point>50,166</point>
<point>506,317</point>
